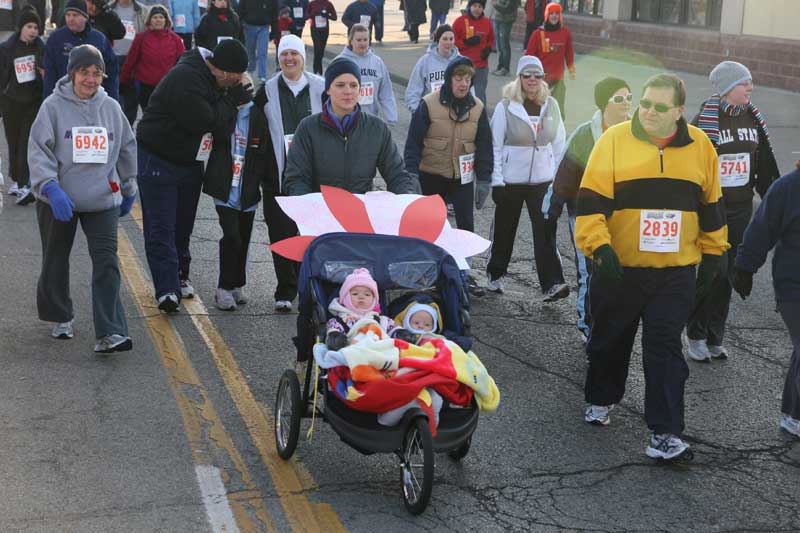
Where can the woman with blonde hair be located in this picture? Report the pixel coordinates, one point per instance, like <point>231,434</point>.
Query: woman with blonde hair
<point>528,137</point>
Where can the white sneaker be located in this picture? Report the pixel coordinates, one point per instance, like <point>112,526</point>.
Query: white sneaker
<point>224,300</point>
<point>14,189</point>
<point>25,196</point>
<point>283,306</point>
<point>792,425</point>
<point>496,285</point>
<point>666,447</point>
<point>239,295</point>
<point>187,291</point>
<point>698,351</point>
<point>63,331</point>
<point>717,352</point>
<point>113,343</point>
<point>556,292</point>
<point>598,415</point>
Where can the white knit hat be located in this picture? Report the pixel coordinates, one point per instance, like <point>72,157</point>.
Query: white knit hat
<point>292,42</point>
<point>527,62</point>
<point>728,75</point>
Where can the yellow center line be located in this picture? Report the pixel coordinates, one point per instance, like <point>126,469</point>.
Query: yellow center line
<point>204,429</point>
<point>290,479</point>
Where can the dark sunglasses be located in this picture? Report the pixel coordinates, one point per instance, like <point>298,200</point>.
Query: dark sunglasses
<point>528,75</point>
<point>618,99</point>
<point>660,108</point>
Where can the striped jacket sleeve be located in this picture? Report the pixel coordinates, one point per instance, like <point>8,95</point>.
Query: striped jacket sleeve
<point>596,198</point>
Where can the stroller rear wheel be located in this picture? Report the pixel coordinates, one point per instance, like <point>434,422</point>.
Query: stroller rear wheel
<point>462,451</point>
<point>416,467</point>
<point>287,414</point>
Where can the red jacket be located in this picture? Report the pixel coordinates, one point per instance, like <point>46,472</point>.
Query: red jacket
<point>315,9</point>
<point>465,27</point>
<point>553,48</point>
<point>152,54</point>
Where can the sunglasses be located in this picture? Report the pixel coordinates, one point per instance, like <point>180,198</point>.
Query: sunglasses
<point>660,108</point>
<point>618,99</point>
<point>529,75</point>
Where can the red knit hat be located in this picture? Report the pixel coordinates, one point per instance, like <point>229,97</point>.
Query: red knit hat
<point>551,7</point>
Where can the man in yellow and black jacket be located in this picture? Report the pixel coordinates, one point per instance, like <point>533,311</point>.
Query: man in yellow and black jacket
<point>649,210</point>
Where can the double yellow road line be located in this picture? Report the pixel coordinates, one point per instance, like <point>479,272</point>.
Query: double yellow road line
<point>210,443</point>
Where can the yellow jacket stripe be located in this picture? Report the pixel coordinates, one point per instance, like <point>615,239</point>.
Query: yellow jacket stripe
<point>627,173</point>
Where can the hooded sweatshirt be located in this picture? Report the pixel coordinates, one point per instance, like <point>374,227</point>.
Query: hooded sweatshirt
<point>428,74</point>
<point>376,86</point>
<point>91,186</point>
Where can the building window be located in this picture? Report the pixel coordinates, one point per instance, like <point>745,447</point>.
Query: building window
<point>585,7</point>
<point>702,13</point>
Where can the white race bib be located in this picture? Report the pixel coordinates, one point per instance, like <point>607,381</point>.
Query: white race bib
<point>287,141</point>
<point>320,22</point>
<point>284,33</point>
<point>436,86</point>
<point>238,163</point>
<point>180,21</point>
<point>366,95</point>
<point>130,30</point>
<point>297,12</point>
<point>203,3</point>
<point>659,230</point>
<point>204,150</point>
<point>466,166</point>
<point>7,4</point>
<point>223,38</point>
<point>734,169</point>
<point>25,69</point>
<point>365,20</point>
<point>90,145</point>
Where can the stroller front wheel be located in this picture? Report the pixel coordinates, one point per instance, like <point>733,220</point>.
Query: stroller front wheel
<point>287,414</point>
<point>416,468</point>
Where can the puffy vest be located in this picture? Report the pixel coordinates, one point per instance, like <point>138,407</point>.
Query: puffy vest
<point>447,139</point>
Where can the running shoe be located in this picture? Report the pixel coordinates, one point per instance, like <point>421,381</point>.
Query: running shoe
<point>496,285</point>
<point>25,196</point>
<point>224,300</point>
<point>187,291</point>
<point>792,425</point>
<point>697,350</point>
<point>169,303</point>
<point>283,306</point>
<point>667,447</point>
<point>14,189</point>
<point>556,292</point>
<point>717,352</point>
<point>474,289</point>
<point>113,343</point>
<point>63,331</point>
<point>598,415</point>
<point>239,295</point>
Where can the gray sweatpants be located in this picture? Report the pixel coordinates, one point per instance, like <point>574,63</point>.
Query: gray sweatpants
<point>790,312</point>
<point>52,292</point>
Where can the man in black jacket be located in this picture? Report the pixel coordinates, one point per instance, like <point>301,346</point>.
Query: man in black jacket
<point>257,17</point>
<point>194,103</point>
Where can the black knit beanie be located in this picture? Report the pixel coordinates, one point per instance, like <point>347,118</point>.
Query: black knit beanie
<point>338,67</point>
<point>79,6</point>
<point>230,56</point>
<point>28,15</point>
<point>440,31</point>
<point>605,89</point>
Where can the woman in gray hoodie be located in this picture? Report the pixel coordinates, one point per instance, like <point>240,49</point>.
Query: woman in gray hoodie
<point>428,73</point>
<point>82,156</point>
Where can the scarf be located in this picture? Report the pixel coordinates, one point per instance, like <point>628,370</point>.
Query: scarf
<point>344,125</point>
<point>708,120</point>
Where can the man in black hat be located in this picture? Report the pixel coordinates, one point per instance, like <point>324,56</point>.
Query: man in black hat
<point>76,32</point>
<point>194,103</point>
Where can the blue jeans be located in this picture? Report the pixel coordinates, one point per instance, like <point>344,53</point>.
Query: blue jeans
<point>436,19</point>
<point>503,30</point>
<point>169,194</point>
<point>256,39</point>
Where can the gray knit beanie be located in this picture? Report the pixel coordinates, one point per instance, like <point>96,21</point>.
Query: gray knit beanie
<point>728,75</point>
<point>83,56</point>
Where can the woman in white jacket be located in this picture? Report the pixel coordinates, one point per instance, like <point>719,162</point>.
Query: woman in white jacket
<point>528,137</point>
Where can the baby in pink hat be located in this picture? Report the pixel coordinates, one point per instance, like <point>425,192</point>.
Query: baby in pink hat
<point>358,299</point>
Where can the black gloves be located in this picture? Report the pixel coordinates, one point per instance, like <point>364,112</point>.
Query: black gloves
<point>707,272</point>
<point>405,335</point>
<point>498,193</point>
<point>486,52</point>
<point>472,41</point>
<point>240,94</point>
<point>336,340</point>
<point>481,193</point>
<point>606,263</point>
<point>742,282</point>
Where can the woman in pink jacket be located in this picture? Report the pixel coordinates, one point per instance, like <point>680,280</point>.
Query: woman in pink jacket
<point>152,54</point>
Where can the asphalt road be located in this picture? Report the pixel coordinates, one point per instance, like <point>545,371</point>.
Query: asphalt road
<point>176,435</point>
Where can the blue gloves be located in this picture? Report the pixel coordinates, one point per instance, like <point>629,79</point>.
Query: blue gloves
<point>60,202</point>
<point>127,204</point>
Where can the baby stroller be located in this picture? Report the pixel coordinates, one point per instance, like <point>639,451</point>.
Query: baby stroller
<point>398,265</point>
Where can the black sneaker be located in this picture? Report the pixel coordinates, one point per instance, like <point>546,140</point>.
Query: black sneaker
<point>25,196</point>
<point>169,303</point>
<point>474,289</point>
<point>556,292</point>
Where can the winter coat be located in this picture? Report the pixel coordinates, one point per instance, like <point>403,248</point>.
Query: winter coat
<point>185,15</point>
<point>524,154</point>
<point>185,105</point>
<point>56,57</point>
<point>319,155</point>
<point>109,24</point>
<point>122,46</point>
<point>428,74</point>
<point>356,10</point>
<point>505,11</point>
<point>376,85</point>
<point>12,91</point>
<point>321,8</point>
<point>576,154</point>
<point>152,54</point>
<point>415,11</point>
<point>297,21</point>
<point>439,6</point>
<point>776,223</point>
<point>272,108</point>
<point>258,12</point>
<point>465,27</point>
<point>212,29</point>
<point>8,17</point>
<point>91,186</point>
<point>553,48</point>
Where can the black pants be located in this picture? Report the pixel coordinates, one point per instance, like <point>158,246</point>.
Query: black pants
<point>145,92</point>
<point>17,120</point>
<point>504,232</point>
<point>320,39</point>
<point>187,40</point>
<point>708,317</point>
<point>790,312</point>
<point>237,226</point>
<point>451,190</point>
<point>661,299</point>
<point>559,91</point>
<point>413,32</point>
<point>129,102</point>
<point>379,22</point>
<point>279,227</point>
